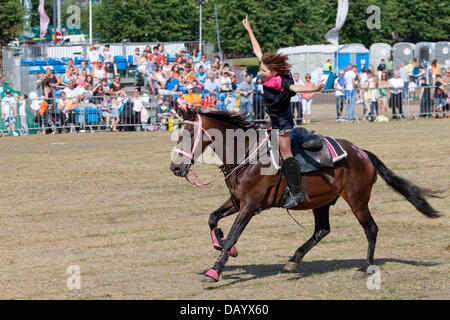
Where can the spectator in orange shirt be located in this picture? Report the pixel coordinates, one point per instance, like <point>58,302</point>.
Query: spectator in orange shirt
<point>192,98</point>
<point>177,73</point>
<point>189,74</point>
<point>435,70</point>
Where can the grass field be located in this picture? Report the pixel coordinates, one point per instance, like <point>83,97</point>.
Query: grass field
<point>108,203</point>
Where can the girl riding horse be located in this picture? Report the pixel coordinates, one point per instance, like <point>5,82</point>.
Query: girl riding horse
<point>279,87</point>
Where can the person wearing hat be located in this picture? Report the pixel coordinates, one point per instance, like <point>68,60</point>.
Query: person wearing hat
<point>9,112</point>
<point>192,98</point>
<point>226,82</point>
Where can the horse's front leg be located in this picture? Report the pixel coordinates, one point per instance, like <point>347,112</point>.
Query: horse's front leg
<point>243,218</point>
<point>228,208</point>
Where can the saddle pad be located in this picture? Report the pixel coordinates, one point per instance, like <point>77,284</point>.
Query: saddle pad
<point>336,150</point>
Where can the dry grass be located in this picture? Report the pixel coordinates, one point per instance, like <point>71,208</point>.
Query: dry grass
<point>109,204</point>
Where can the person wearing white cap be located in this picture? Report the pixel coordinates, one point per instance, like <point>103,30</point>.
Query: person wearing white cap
<point>192,98</point>
<point>9,112</point>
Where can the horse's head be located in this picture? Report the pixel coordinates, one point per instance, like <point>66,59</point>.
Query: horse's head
<point>190,142</point>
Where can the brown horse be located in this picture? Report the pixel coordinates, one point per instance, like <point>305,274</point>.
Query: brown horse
<point>251,192</point>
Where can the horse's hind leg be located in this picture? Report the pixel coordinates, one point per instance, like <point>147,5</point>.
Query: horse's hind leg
<point>371,229</point>
<point>228,208</point>
<point>322,228</point>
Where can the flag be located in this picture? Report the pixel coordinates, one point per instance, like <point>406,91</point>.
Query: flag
<point>333,35</point>
<point>45,20</point>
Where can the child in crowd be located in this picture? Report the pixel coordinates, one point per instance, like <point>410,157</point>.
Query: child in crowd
<point>108,59</point>
<point>372,80</point>
<point>136,56</point>
<point>181,102</point>
<point>24,131</point>
<point>365,93</point>
<point>163,113</point>
<point>66,109</point>
<point>210,101</point>
<point>231,103</point>
<point>193,99</point>
<point>9,113</point>
<point>382,93</point>
<point>439,95</point>
<point>105,106</point>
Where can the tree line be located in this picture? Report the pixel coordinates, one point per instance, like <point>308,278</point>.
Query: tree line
<point>276,23</point>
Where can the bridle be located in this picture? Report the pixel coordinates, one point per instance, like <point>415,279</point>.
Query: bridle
<point>198,137</point>
<point>190,156</point>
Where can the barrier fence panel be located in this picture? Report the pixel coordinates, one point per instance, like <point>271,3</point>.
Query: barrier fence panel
<point>69,115</point>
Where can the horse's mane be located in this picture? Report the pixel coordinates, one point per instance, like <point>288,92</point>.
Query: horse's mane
<point>232,118</point>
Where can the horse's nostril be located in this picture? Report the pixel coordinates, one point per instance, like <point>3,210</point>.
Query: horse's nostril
<point>177,170</point>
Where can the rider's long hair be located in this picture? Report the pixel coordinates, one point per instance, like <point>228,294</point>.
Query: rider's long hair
<point>277,62</point>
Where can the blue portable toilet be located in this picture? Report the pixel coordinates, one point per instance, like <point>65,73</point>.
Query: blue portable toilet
<point>342,60</point>
<point>354,53</point>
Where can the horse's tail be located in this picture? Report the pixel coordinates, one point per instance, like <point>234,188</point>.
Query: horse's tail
<point>412,193</point>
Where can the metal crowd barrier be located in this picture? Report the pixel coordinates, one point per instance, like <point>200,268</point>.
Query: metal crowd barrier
<point>88,115</point>
<point>84,116</point>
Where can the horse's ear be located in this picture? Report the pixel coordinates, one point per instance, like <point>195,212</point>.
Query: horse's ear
<point>185,112</point>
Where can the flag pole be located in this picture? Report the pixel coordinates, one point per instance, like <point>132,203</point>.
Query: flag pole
<point>218,33</point>
<point>90,22</point>
<point>200,27</point>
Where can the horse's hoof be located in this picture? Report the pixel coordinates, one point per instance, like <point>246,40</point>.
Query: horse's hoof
<point>290,266</point>
<point>211,276</point>
<point>233,252</point>
<point>360,275</point>
<point>207,279</point>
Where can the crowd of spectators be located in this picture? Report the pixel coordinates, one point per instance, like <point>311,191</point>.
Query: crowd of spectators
<point>190,79</point>
<point>387,87</point>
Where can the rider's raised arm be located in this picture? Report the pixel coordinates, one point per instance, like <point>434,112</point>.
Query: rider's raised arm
<point>256,47</point>
<point>303,89</point>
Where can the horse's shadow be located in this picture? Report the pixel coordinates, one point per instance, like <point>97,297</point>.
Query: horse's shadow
<point>239,274</point>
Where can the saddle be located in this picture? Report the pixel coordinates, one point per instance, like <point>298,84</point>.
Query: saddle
<point>313,151</point>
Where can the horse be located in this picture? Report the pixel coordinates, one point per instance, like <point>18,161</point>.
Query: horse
<point>251,192</point>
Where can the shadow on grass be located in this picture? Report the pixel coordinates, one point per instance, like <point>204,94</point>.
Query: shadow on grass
<point>239,274</point>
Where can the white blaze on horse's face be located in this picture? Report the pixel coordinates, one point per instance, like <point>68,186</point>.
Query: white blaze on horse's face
<point>182,156</point>
<point>189,147</point>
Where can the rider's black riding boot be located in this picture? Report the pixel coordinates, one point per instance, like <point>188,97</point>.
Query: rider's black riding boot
<point>293,175</point>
